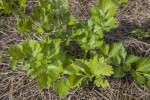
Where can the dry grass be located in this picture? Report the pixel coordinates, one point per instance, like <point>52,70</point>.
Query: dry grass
<point>16,85</point>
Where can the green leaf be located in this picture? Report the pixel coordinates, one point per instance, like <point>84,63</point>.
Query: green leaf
<point>81,66</point>
<point>137,77</point>
<point>114,49</point>
<point>31,48</point>
<point>54,71</point>
<point>131,59</point>
<point>22,3</point>
<point>24,26</point>
<point>105,4</point>
<point>123,53</point>
<point>104,83</point>
<point>6,6</point>
<point>145,66</point>
<point>35,15</point>
<point>97,80</point>
<point>13,63</point>
<point>75,80</point>
<point>104,49</point>
<point>15,51</point>
<point>116,60</point>
<point>62,87</point>
<point>47,27</point>
<point>126,67</point>
<point>44,80</point>
<point>147,83</point>
<point>100,67</point>
<point>118,72</point>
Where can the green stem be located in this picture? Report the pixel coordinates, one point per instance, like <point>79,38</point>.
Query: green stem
<point>20,11</point>
<point>85,55</point>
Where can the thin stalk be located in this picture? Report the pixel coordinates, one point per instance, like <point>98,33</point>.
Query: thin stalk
<point>85,54</point>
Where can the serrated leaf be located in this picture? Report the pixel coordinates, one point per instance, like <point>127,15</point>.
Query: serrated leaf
<point>131,59</point>
<point>114,49</point>
<point>116,60</point>
<point>118,72</point>
<point>54,71</point>
<point>105,4</point>
<point>104,83</point>
<point>35,15</point>
<point>123,53</point>
<point>44,80</point>
<point>75,80</point>
<point>139,79</point>
<point>126,67</point>
<point>24,26</point>
<point>100,67</point>
<point>104,49</point>
<point>13,63</point>
<point>47,27</point>
<point>94,10</point>
<point>62,87</point>
<point>81,66</point>
<point>97,80</point>
<point>144,67</point>
<point>31,48</point>
<point>15,51</point>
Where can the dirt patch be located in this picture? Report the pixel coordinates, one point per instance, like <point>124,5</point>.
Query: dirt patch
<point>16,85</point>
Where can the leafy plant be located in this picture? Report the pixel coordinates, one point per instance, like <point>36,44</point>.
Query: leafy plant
<point>140,34</point>
<point>45,59</point>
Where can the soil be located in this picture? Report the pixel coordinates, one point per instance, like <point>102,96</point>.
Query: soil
<point>16,85</point>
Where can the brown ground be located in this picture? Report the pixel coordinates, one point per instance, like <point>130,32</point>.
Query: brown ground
<point>16,85</point>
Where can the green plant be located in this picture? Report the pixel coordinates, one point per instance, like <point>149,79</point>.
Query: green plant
<point>45,59</point>
<point>140,34</point>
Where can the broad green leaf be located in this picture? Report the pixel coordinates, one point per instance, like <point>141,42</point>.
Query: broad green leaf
<point>139,79</point>
<point>100,67</point>
<point>95,11</point>
<point>44,80</point>
<point>116,60</point>
<point>104,49</point>
<point>105,4</point>
<point>104,83</point>
<point>24,26</point>
<point>97,80</point>
<point>47,27</point>
<point>75,80</point>
<point>54,71</point>
<point>126,67</point>
<point>111,12</point>
<point>13,63</point>
<point>145,67</point>
<point>62,87</point>
<point>31,48</point>
<point>131,59</point>
<point>118,72</point>
<point>123,53</point>
<point>81,66</point>
<point>35,15</point>
<point>114,49</point>
<point>16,52</point>
<point>72,21</point>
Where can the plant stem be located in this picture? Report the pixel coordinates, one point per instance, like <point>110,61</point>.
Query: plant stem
<point>85,54</point>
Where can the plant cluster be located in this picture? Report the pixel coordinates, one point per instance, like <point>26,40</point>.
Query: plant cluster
<point>46,60</point>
